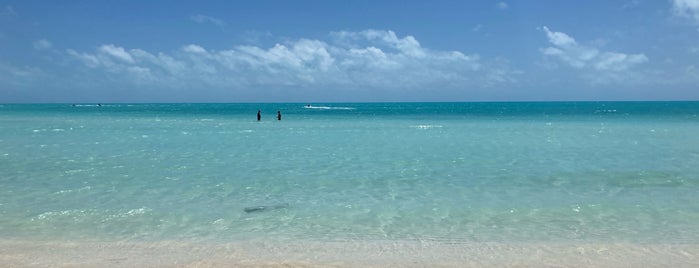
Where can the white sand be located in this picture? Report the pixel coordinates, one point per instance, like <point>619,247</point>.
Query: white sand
<point>342,254</point>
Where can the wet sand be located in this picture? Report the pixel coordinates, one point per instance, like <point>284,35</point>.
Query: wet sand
<point>15,253</point>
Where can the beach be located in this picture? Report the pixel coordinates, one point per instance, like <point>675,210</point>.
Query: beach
<point>540,184</point>
<point>343,254</point>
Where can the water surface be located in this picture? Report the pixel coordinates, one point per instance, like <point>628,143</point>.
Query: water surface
<point>457,172</point>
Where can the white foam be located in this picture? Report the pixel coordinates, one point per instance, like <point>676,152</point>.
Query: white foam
<point>52,214</point>
<point>426,126</point>
<point>329,107</point>
<point>74,190</point>
<point>138,211</point>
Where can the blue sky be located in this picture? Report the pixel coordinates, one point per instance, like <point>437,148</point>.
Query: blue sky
<point>322,51</point>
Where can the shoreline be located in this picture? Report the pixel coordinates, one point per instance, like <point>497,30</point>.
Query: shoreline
<point>297,253</point>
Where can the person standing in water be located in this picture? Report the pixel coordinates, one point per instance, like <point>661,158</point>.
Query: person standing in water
<point>279,115</point>
<point>258,115</point>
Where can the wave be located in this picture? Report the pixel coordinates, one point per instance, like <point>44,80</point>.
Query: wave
<point>328,107</point>
<point>426,126</point>
<point>103,105</point>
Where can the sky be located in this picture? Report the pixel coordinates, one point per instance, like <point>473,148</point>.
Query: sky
<point>348,51</point>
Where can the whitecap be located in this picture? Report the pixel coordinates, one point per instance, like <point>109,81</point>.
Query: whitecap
<point>74,190</point>
<point>73,171</point>
<point>426,126</point>
<point>329,107</point>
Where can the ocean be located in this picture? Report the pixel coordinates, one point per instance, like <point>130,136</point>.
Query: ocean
<point>515,173</point>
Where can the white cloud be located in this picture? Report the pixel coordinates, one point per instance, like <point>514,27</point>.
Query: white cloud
<point>42,44</point>
<point>371,58</point>
<point>87,59</point>
<point>199,18</point>
<point>408,45</point>
<point>559,39</point>
<point>686,8</point>
<point>161,61</point>
<point>618,61</point>
<point>567,50</point>
<point>194,49</point>
<point>117,52</point>
<point>501,5</point>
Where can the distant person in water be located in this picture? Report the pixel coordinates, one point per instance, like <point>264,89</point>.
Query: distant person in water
<point>258,115</point>
<point>279,115</point>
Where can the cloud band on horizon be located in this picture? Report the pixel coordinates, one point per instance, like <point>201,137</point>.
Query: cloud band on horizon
<point>370,58</point>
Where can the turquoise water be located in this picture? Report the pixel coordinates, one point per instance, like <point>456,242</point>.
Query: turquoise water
<point>531,172</point>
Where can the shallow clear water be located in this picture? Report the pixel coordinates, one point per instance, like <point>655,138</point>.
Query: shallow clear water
<point>529,172</point>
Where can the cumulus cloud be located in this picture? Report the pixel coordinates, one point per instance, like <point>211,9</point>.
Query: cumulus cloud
<point>371,58</point>
<point>42,44</point>
<point>194,49</point>
<point>686,8</point>
<point>87,59</point>
<point>569,51</point>
<point>116,52</point>
<point>407,45</point>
